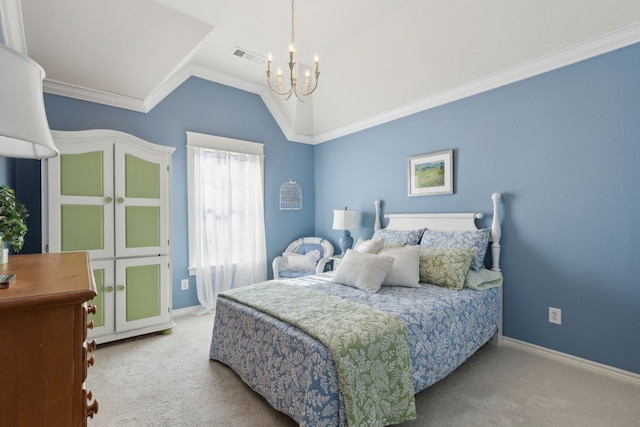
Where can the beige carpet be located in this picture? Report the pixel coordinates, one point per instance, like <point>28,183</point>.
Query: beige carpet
<point>168,380</point>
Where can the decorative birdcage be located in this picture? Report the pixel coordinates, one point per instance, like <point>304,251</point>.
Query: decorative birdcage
<point>290,196</point>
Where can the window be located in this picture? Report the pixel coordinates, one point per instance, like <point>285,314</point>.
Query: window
<point>227,246</point>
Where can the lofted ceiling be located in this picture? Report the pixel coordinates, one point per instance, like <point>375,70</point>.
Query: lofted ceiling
<point>379,59</point>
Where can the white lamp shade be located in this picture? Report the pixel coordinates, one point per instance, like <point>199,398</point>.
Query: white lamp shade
<point>24,131</point>
<point>345,220</point>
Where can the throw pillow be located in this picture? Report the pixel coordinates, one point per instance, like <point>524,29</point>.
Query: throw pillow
<point>445,267</point>
<point>399,237</point>
<point>406,266</point>
<point>372,246</point>
<point>362,270</point>
<point>476,239</point>
<point>300,262</point>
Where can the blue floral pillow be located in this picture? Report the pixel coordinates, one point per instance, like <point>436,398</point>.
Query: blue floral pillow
<point>398,237</point>
<point>474,239</point>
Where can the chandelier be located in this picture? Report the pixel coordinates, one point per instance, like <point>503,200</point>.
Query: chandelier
<point>310,83</point>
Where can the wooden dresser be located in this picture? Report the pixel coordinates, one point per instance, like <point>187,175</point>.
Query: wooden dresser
<point>43,351</point>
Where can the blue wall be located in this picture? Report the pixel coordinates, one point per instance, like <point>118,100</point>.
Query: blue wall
<point>563,149</point>
<point>560,147</point>
<point>7,171</point>
<point>198,106</point>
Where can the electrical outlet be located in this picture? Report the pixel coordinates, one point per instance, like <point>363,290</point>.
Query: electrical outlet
<point>555,316</point>
<point>184,284</point>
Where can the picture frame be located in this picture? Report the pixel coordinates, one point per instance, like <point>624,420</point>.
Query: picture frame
<point>431,174</point>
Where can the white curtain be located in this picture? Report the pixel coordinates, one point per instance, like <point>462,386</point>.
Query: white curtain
<point>229,226</point>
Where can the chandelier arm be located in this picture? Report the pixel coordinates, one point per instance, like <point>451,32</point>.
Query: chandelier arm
<point>288,92</point>
<point>315,85</point>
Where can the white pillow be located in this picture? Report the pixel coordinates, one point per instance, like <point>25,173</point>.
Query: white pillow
<point>406,266</point>
<point>369,246</point>
<point>362,270</point>
<point>300,262</point>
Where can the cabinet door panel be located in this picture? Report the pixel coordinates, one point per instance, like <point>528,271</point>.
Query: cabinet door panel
<point>142,178</point>
<point>141,207</point>
<point>82,227</point>
<point>142,292</point>
<point>82,174</point>
<point>103,320</point>
<point>142,226</point>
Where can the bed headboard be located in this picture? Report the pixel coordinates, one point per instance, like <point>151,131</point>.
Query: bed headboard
<point>447,222</point>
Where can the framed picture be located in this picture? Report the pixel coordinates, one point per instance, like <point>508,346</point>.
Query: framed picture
<point>431,174</point>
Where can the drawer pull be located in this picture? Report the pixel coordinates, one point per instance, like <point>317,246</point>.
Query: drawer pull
<point>92,346</point>
<point>90,324</point>
<point>109,289</point>
<point>121,288</point>
<point>90,361</point>
<point>93,408</point>
<point>92,309</point>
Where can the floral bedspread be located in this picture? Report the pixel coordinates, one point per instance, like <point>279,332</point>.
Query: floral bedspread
<point>369,347</point>
<point>295,372</point>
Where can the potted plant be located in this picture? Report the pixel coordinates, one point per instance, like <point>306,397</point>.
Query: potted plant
<point>13,225</point>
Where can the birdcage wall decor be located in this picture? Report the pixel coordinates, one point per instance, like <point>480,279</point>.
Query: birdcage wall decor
<point>290,196</point>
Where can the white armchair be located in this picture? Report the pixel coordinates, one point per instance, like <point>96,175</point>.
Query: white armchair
<point>303,257</point>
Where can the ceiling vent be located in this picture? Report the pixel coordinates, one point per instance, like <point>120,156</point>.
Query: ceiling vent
<point>252,57</point>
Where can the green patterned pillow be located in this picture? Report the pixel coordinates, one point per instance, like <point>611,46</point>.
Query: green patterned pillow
<point>445,267</point>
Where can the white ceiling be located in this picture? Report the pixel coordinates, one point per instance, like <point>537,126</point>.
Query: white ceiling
<point>379,59</point>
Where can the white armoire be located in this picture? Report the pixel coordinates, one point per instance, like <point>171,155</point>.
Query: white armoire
<point>109,193</point>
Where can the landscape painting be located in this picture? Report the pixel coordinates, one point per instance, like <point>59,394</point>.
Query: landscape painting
<point>431,174</point>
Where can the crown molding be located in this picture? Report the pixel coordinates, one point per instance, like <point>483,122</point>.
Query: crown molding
<point>614,40</point>
<point>609,42</point>
<point>93,95</point>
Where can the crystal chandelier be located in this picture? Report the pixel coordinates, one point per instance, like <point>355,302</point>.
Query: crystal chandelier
<point>310,84</point>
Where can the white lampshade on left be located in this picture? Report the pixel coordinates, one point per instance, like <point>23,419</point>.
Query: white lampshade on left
<point>24,130</point>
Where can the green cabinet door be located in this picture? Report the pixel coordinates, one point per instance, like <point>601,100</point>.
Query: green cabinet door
<point>80,186</point>
<point>141,204</point>
<point>104,301</point>
<point>142,293</point>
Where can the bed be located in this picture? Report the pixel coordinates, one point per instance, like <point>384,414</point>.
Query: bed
<point>279,336</point>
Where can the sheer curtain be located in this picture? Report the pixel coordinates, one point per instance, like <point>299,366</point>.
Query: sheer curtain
<point>229,223</point>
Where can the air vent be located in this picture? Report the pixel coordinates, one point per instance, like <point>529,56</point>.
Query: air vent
<point>252,57</point>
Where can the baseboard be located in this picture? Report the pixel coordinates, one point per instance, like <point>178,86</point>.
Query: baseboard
<point>185,311</point>
<point>610,371</point>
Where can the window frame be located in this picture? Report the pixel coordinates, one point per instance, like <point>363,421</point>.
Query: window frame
<point>212,142</point>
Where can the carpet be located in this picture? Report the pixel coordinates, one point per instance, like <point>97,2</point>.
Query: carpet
<point>168,380</point>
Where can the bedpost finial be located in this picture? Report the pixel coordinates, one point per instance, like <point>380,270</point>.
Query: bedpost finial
<point>496,197</point>
<point>376,225</point>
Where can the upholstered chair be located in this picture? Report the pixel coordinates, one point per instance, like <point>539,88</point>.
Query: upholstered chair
<point>303,257</point>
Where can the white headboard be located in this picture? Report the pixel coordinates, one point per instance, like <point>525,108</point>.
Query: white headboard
<point>447,222</point>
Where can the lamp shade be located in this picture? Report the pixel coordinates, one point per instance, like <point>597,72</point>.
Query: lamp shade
<point>24,131</point>
<point>345,219</point>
